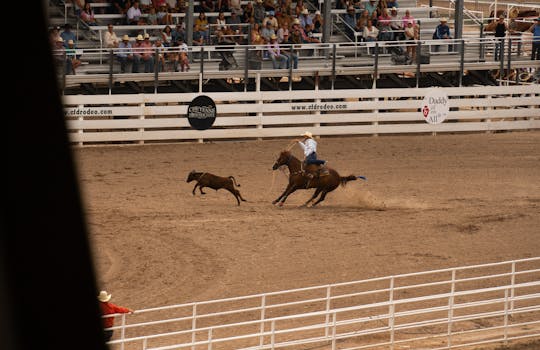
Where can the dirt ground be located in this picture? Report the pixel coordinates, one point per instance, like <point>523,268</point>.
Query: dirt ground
<point>429,202</point>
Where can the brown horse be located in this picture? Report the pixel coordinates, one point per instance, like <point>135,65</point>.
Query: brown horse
<point>298,180</point>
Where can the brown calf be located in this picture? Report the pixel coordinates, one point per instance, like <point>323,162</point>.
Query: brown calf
<point>215,182</point>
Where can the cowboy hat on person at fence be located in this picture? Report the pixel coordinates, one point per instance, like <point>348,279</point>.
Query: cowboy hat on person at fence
<point>104,296</point>
<point>307,134</point>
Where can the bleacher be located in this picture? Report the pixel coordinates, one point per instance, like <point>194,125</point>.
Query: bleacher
<point>320,58</point>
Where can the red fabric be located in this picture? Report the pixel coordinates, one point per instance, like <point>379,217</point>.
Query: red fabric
<point>109,308</point>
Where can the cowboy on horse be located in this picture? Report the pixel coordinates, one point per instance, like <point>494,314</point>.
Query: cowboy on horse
<point>312,166</point>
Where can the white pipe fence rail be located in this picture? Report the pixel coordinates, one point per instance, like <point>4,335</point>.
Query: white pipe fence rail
<point>140,118</point>
<point>450,308</point>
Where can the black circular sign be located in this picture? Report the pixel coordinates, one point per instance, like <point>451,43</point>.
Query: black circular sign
<point>201,113</point>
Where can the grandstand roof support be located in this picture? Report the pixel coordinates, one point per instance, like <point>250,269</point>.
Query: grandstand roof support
<point>327,25</point>
<point>458,19</point>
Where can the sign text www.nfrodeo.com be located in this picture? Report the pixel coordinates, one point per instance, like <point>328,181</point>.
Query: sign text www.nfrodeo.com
<point>319,107</point>
<point>87,111</point>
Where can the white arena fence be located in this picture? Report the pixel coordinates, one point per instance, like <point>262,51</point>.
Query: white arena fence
<point>453,308</point>
<point>143,118</point>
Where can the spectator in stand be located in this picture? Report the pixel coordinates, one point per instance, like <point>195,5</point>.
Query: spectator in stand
<point>88,15</point>
<point>255,35</point>
<point>110,38</point>
<point>317,22</point>
<point>407,18</point>
<point>59,54</point>
<point>199,36</point>
<point>290,52</point>
<point>412,32</point>
<point>350,22</point>
<point>202,22</point>
<point>305,19</point>
<point>208,6</point>
<point>442,31</point>
<point>221,22</point>
<point>269,5</point>
<point>67,34</point>
<point>267,32</point>
<point>279,60</point>
<point>299,8</point>
<point>371,33</point>
<point>309,33</point>
<point>145,5</point>
<point>163,15</point>
<point>152,17</point>
<point>234,23</point>
<point>272,19</point>
<point>178,33</point>
<point>71,56</point>
<point>179,7</point>
<point>236,7</point>
<point>396,25</point>
<point>133,14</point>
<point>535,30</point>
<point>137,53</point>
<point>119,6</point>
<point>147,54</point>
<point>259,12</point>
<point>166,36</point>
<point>160,49</point>
<point>383,24</point>
<point>392,3</point>
<point>362,21</point>
<point>124,53</point>
<point>108,308</point>
<point>249,10</point>
<point>500,32</point>
<point>283,32</point>
<point>54,34</point>
<point>371,7</point>
<point>182,57</point>
<point>223,5</point>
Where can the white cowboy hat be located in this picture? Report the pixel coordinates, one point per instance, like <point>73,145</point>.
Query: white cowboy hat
<point>103,296</point>
<point>307,134</point>
<point>444,19</point>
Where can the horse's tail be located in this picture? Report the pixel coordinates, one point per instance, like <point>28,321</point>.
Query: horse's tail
<point>234,181</point>
<point>345,179</point>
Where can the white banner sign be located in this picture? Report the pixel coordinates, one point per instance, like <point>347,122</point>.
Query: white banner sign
<point>435,106</point>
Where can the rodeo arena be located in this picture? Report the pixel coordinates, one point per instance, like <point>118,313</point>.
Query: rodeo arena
<point>421,228</point>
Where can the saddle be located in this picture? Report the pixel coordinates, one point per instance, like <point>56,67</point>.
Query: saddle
<point>315,171</point>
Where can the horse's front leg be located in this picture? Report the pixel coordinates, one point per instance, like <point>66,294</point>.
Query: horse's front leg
<point>283,194</point>
<point>317,191</point>
<point>194,188</point>
<point>290,189</point>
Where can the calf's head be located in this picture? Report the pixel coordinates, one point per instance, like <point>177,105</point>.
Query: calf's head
<point>191,176</point>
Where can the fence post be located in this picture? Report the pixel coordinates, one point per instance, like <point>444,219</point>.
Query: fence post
<point>123,331</point>
<point>509,61</point>
<point>505,337</point>
<point>263,315</point>
<point>202,67</point>
<point>111,62</point>
<point>210,339</point>
<point>156,70</point>
<point>512,284</point>
<point>451,308</point>
<point>142,117</point>
<point>333,65</point>
<point>418,61</point>
<point>246,67</point>
<point>391,312</point>
<point>501,60</point>
<point>273,334</point>
<point>482,45</point>
<point>376,65</point>
<point>334,320</point>
<point>461,61</point>
<point>193,326</point>
<point>328,293</point>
